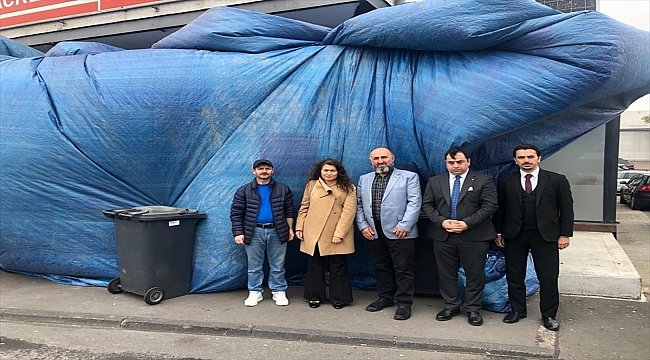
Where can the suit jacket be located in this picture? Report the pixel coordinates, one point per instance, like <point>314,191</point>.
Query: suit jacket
<point>554,206</point>
<point>476,204</point>
<point>400,206</point>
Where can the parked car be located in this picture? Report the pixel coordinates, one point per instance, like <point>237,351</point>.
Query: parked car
<point>625,175</point>
<point>636,192</point>
<point>624,164</point>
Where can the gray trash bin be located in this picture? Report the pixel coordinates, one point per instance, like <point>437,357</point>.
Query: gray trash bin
<point>155,246</point>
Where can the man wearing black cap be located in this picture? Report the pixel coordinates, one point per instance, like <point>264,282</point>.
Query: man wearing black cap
<point>262,215</point>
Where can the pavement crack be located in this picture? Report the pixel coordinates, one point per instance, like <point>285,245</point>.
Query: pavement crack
<point>122,322</point>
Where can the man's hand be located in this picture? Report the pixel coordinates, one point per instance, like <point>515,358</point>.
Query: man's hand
<point>299,234</point>
<point>401,234</point>
<point>500,241</point>
<point>239,239</point>
<point>368,233</point>
<point>291,234</point>
<point>454,226</point>
<point>563,242</point>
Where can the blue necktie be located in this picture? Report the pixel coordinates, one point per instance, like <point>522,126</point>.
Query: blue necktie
<point>455,192</point>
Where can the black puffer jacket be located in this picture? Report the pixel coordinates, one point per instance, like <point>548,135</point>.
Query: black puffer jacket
<point>246,207</point>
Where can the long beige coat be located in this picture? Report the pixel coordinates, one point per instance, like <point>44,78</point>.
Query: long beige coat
<point>326,212</point>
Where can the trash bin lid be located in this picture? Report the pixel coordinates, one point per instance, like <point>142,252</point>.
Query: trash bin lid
<point>153,213</point>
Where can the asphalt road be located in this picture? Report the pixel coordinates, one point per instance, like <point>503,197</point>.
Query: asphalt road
<point>58,342</point>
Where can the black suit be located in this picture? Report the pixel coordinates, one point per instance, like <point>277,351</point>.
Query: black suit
<point>476,204</point>
<point>551,204</point>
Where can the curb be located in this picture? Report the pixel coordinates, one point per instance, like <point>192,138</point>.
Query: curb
<point>547,340</point>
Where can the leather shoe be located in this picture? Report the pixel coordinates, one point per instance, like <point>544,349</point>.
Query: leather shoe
<point>551,324</point>
<point>514,317</point>
<point>403,312</point>
<point>338,305</point>
<point>379,304</point>
<point>447,314</point>
<point>314,304</point>
<point>474,318</point>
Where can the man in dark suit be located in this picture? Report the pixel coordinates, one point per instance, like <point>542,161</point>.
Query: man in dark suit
<point>459,204</point>
<point>535,213</point>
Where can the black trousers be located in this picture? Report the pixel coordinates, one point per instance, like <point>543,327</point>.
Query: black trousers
<point>547,266</point>
<point>394,267</point>
<point>450,255</point>
<point>340,286</point>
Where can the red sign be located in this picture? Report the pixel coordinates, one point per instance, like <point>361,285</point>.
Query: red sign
<point>17,12</point>
<point>113,4</point>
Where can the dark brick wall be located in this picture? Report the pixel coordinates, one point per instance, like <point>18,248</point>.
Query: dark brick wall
<point>570,5</point>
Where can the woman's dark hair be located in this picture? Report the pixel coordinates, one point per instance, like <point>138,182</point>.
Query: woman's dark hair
<point>342,179</point>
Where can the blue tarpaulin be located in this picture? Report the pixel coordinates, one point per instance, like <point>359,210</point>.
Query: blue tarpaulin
<point>89,127</point>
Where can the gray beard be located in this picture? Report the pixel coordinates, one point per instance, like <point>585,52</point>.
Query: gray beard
<point>383,170</point>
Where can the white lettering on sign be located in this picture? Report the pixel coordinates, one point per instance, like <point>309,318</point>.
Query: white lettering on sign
<point>5,4</point>
<point>174,223</point>
<point>21,11</point>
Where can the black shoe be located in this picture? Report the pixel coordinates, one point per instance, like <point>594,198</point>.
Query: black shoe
<point>551,324</point>
<point>379,304</point>
<point>474,318</point>
<point>403,312</point>
<point>338,305</point>
<point>513,317</point>
<point>314,304</point>
<point>447,314</point>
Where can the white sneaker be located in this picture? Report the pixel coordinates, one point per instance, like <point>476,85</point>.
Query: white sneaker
<point>280,298</point>
<point>253,298</point>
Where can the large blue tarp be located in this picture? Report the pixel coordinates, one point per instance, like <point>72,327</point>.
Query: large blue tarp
<point>89,127</point>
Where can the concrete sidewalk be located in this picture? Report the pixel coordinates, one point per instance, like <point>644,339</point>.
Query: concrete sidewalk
<point>27,299</point>
<point>594,264</point>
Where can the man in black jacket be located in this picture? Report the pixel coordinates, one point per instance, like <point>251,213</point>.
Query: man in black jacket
<point>535,213</point>
<point>262,216</point>
<point>459,204</point>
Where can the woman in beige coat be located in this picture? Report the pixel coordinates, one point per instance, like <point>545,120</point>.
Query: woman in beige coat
<point>325,228</point>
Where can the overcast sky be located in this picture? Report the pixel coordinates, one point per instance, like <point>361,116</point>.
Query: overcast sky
<point>637,14</point>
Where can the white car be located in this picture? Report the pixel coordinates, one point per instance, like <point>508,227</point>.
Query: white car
<point>625,175</point>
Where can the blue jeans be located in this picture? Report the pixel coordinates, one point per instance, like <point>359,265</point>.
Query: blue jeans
<point>266,240</point>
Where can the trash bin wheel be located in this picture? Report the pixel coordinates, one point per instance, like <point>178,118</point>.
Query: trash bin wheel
<point>115,286</point>
<point>154,296</point>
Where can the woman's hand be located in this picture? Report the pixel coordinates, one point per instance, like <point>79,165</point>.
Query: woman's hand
<point>337,240</point>
<point>299,234</point>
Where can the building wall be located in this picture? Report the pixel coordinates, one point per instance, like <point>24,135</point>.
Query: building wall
<point>634,139</point>
<point>570,5</point>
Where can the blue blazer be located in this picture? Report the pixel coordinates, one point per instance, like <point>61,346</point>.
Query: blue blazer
<point>400,206</point>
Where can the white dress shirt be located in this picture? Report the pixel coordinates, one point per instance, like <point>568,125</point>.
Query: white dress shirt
<point>452,179</point>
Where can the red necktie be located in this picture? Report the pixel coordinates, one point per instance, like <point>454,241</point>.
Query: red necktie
<point>528,184</point>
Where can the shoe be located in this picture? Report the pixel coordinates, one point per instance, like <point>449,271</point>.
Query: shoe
<point>551,324</point>
<point>314,304</point>
<point>253,298</point>
<point>280,298</point>
<point>403,312</point>
<point>513,317</point>
<point>447,314</point>
<point>474,318</point>
<point>379,304</point>
<point>338,305</point>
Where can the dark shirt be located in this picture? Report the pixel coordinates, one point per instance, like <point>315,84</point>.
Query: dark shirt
<point>379,185</point>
